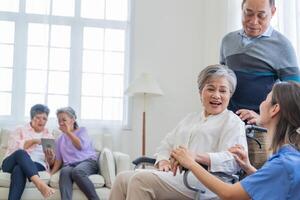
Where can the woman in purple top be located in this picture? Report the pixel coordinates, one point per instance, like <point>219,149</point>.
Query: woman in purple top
<point>76,155</point>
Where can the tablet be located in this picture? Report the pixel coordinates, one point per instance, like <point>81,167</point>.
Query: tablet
<point>48,143</point>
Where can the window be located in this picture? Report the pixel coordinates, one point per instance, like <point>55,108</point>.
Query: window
<point>6,65</point>
<point>64,52</point>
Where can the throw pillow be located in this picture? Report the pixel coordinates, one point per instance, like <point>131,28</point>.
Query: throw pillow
<point>107,166</point>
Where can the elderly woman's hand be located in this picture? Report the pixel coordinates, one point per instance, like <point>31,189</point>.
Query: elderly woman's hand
<point>67,128</point>
<point>241,157</point>
<point>248,115</point>
<point>50,156</point>
<point>183,157</point>
<point>31,142</point>
<point>175,166</point>
<point>164,165</point>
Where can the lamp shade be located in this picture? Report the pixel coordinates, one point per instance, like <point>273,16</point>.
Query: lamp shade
<point>144,84</point>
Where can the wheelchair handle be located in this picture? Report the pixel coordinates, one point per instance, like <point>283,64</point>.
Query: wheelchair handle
<point>142,161</point>
<point>250,129</point>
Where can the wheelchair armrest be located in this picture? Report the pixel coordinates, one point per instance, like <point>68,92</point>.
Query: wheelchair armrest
<point>142,161</point>
<point>186,183</point>
<point>221,175</point>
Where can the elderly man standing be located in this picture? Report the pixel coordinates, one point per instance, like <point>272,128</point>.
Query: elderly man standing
<point>259,55</point>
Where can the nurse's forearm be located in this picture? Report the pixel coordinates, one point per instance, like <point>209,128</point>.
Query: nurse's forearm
<point>203,158</point>
<point>223,190</point>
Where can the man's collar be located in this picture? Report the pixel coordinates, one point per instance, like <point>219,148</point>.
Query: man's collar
<point>267,33</point>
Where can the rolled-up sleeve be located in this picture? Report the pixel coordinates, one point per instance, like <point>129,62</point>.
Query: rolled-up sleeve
<point>222,160</point>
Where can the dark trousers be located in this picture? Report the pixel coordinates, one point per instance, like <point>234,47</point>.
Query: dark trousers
<point>21,167</point>
<point>79,173</point>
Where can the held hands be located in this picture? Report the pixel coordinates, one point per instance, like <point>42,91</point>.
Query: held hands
<point>241,157</point>
<point>249,115</point>
<point>183,158</point>
<point>164,165</point>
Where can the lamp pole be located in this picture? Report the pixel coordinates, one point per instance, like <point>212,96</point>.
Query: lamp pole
<point>144,85</point>
<point>144,127</point>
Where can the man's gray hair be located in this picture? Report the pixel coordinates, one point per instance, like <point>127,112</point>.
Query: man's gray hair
<point>271,2</point>
<point>38,109</point>
<point>213,71</point>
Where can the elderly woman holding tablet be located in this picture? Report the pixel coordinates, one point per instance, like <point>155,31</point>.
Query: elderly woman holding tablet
<point>25,156</point>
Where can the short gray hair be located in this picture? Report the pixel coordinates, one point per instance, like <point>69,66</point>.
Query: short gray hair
<point>70,112</point>
<point>271,2</point>
<point>38,109</point>
<point>218,70</point>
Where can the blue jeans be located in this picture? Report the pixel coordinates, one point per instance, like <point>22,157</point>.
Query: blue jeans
<point>20,165</point>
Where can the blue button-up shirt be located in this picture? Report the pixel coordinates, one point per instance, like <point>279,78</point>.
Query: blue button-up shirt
<point>248,40</point>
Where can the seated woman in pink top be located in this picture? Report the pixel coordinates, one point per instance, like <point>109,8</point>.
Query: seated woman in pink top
<point>25,157</point>
<point>74,152</point>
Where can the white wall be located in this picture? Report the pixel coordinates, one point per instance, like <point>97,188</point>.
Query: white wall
<point>172,40</point>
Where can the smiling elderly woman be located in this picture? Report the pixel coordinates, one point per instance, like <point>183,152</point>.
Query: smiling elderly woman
<point>207,135</point>
<point>25,156</point>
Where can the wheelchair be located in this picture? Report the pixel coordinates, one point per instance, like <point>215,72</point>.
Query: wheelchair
<point>147,162</point>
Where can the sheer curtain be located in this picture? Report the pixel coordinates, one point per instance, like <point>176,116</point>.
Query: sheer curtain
<point>233,15</point>
<point>288,21</point>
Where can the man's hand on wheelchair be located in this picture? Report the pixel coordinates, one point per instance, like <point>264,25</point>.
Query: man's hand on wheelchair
<point>249,116</point>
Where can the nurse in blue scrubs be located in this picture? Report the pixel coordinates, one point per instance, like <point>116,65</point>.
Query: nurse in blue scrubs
<point>279,178</point>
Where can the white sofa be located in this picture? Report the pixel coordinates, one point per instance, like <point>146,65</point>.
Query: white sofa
<point>110,164</point>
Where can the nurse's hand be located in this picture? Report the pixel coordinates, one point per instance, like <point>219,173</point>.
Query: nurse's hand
<point>241,157</point>
<point>183,156</point>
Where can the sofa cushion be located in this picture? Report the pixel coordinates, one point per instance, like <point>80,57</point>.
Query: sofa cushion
<point>4,136</point>
<point>5,179</point>
<point>122,162</point>
<point>97,141</point>
<point>96,179</point>
<point>107,166</point>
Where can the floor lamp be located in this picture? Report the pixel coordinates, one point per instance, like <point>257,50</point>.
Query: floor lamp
<point>144,85</point>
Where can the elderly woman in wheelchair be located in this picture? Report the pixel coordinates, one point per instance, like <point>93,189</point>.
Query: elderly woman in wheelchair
<point>279,178</point>
<point>207,135</point>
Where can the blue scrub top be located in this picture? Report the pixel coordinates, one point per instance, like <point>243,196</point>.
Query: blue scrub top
<point>279,178</point>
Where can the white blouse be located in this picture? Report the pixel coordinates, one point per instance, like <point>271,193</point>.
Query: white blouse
<point>213,135</point>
